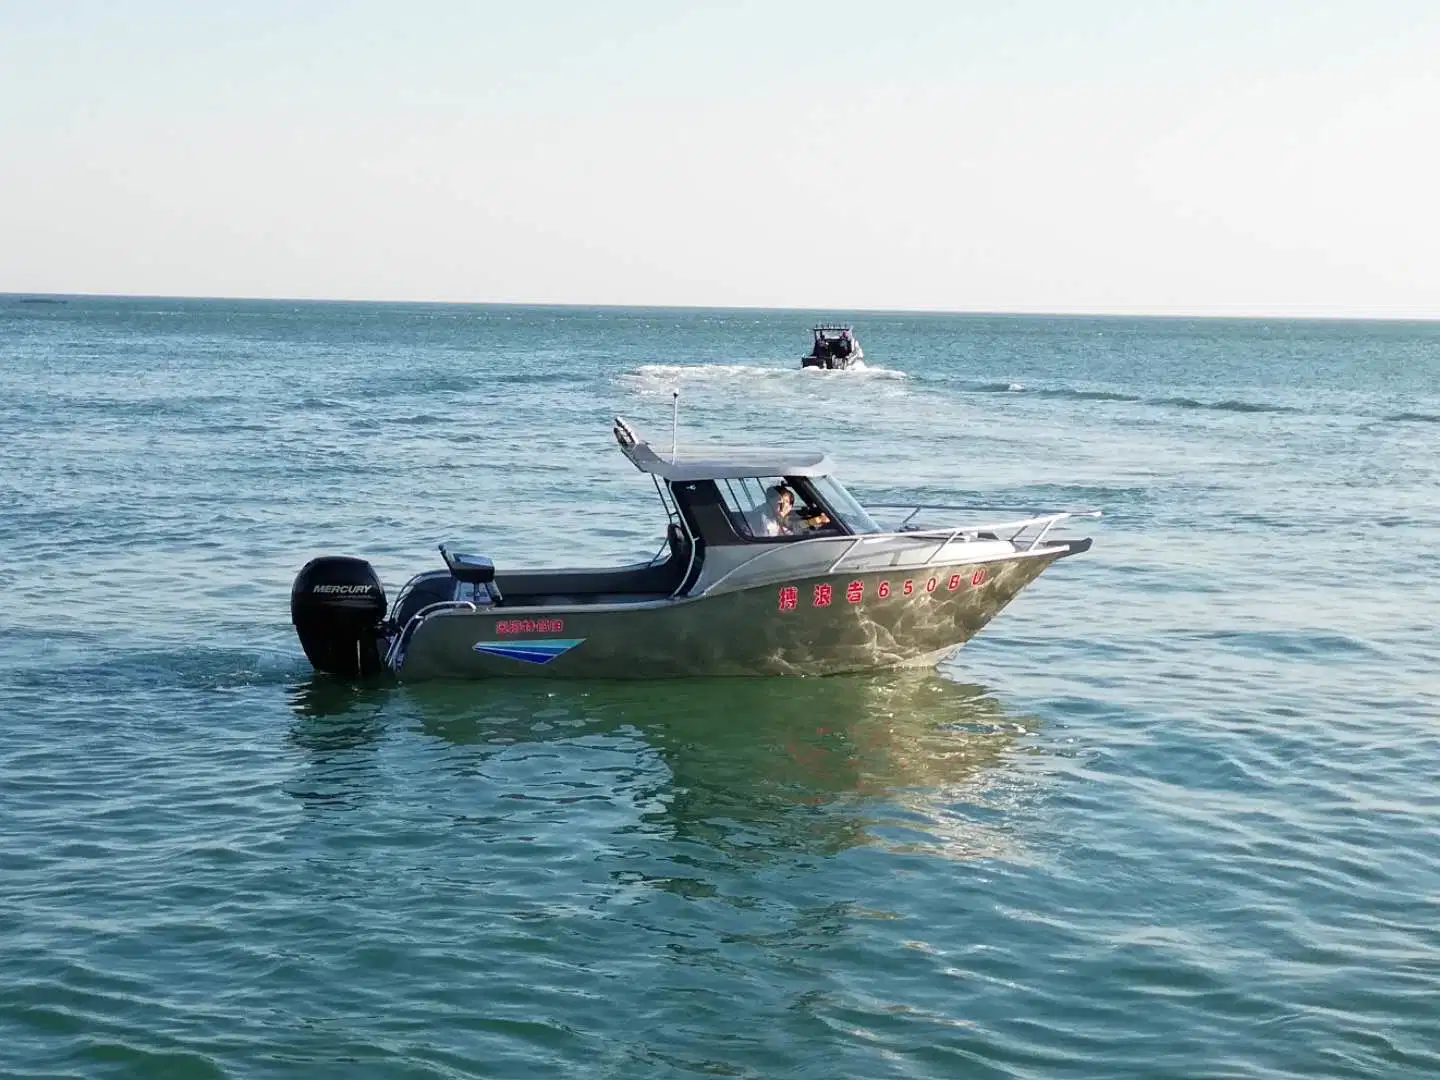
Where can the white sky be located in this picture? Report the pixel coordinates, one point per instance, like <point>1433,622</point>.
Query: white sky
<point>1209,157</point>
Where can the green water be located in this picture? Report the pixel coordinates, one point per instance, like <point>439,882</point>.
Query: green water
<point>1172,814</point>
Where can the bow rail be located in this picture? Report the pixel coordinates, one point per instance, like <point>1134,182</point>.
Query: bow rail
<point>1037,526</point>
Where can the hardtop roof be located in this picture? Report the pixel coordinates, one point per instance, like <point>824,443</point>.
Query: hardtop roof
<point>719,463</point>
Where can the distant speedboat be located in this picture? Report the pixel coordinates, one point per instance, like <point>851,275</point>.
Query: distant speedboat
<point>769,567</point>
<point>835,349</point>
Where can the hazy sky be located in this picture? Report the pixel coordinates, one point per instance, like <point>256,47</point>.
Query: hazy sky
<point>1074,155</point>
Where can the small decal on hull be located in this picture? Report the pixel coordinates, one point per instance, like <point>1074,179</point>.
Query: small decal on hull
<point>529,626</point>
<point>533,651</point>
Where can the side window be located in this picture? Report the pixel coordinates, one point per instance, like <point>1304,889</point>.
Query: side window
<point>771,507</point>
<point>746,502</point>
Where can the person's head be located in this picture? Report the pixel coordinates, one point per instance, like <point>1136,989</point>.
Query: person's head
<point>781,499</point>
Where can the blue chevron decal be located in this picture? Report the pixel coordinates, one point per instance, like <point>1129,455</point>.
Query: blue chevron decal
<point>533,651</point>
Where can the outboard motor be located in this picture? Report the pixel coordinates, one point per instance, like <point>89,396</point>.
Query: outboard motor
<point>338,607</point>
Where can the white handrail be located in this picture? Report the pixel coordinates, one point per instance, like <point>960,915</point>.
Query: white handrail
<point>1020,525</point>
<point>916,508</point>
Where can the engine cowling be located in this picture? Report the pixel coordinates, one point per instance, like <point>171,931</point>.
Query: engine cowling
<point>338,607</point>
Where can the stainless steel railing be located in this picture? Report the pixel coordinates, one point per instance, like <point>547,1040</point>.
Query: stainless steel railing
<point>1041,524</point>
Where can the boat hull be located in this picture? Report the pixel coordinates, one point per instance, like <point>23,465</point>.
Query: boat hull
<point>817,625</point>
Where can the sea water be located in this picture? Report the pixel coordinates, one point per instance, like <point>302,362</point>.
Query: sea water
<point>1173,814</point>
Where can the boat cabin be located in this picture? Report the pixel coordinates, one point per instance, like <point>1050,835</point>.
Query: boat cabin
<point>748,497</point>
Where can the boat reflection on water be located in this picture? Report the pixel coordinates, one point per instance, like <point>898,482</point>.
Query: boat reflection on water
<point>337,727</point>
<point>751,767</point>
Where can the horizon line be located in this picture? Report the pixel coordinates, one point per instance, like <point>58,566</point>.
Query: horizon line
<point>973,312</point>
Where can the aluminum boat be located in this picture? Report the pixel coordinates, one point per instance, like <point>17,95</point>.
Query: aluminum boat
<point>769,567</point>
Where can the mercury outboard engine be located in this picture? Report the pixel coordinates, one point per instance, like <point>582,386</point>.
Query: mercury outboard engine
<point>338,607</point>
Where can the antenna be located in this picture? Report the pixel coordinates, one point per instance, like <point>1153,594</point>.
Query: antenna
<point>674,423</point>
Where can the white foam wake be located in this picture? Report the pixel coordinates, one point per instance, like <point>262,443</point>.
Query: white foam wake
<point>658,378</point>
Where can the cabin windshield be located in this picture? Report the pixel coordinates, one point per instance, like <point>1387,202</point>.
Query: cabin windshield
<point>791,507</point>
<point>842,505</point>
